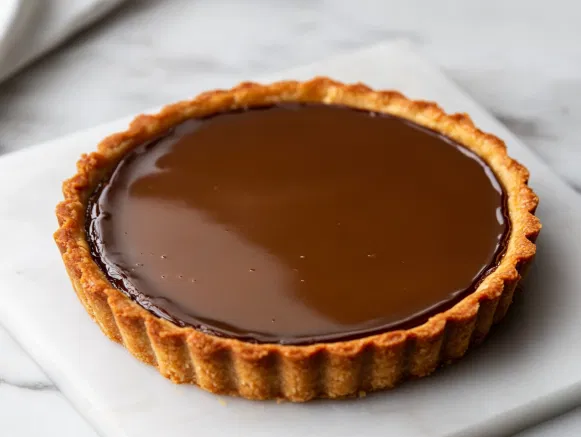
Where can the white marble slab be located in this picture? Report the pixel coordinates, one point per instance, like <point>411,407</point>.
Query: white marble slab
<point>527,372</point>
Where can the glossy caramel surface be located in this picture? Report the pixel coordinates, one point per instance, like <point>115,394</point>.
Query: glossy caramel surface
<point>298,224</point>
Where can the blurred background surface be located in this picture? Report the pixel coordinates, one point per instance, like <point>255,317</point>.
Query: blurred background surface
<point>520,58</point>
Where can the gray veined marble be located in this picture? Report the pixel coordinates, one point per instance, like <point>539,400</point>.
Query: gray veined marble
<point>30,404</point>
<point>17,369</point>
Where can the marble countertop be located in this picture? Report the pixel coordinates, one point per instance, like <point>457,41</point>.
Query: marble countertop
<point>521,59</point>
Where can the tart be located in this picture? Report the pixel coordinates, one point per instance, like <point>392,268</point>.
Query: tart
<point>297,240</point>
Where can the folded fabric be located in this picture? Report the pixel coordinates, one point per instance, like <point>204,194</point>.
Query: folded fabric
<point>40,26</point>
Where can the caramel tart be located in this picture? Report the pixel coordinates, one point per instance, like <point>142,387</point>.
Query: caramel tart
<point>297,240</point>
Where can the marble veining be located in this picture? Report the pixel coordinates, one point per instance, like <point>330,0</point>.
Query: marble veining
<point>521,59</point>
<point>30,404</point>
<point>17,370</point>
<point>28,385</point>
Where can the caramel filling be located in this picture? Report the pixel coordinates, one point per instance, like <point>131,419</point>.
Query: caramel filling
<point>297,224</point>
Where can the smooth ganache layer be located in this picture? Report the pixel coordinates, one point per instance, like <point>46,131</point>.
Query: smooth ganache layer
<point>298,223</point>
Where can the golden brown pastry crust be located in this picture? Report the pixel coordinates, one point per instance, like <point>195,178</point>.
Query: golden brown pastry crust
<point>296,373</point>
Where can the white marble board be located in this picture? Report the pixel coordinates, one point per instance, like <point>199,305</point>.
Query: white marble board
<point>527,372</point>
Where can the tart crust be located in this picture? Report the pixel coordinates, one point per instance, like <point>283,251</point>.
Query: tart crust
<point>296,373</point>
